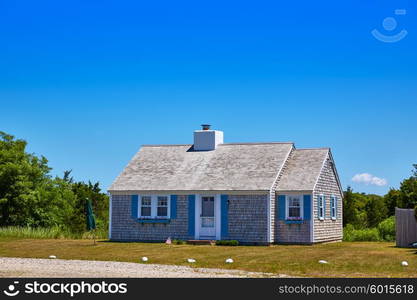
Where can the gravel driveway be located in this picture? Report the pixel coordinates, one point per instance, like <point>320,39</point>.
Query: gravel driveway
<point>55,268</point>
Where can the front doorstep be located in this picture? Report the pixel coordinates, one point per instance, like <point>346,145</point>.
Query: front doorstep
<point>201,242</point>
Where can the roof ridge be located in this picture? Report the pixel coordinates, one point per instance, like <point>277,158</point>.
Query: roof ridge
<point>165,145</point>
<point>318,148</point>
<point>224,144</point>
<point>256,143</point>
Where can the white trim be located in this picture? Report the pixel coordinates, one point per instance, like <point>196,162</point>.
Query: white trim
<point>154,206</point>
<point>321,170</point>
<point>336,174</point>
<point>269,216</point>
<point>218,219</point>
<point>304,192</point>
<point>323,206</point>
<point>197,220</point>
<point>272,197</point>
<point>312,218</point>
<point>217,214</point>
<point>287,207</point>
<point>191,192</point>
<point>110,214</point>
<point>139,214</point>
<point>334,198</point>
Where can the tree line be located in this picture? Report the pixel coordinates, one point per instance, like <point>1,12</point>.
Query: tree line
<point>372,217</point>
<point>367,210</point>
<point>31,197</point>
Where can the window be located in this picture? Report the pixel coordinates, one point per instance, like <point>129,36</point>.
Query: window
<point>162,206</point>
<point>146,206</point>
<point>321,207</point>
<point>333,209</point>
<point>294,207</point>
<point>153,207</point>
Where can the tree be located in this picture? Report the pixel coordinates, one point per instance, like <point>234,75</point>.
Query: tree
<point>408,190</point>
<point>376,211</point>
<point>100,203</point>
<point>21,174</point>
<point>392,200</point>
<point>29,196</point>
<point>350,212</point>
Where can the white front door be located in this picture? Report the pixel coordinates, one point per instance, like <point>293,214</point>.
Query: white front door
<point>208,217</point>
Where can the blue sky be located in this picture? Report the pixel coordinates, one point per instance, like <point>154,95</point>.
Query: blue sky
<point>87,82</point>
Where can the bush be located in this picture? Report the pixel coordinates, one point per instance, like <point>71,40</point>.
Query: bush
<point>232,243</point>
<point>178,242</point>
<point>350,234</point>
<point>386,229</point>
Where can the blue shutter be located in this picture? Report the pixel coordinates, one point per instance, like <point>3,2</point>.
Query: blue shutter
<point>307,207</point>
<point>134,206</point>
<point>335,207</point>
<point>191,215</point>
<point>324,207</point>
<point>224,216</point>
<point>281,207</point>
<point>173,204</point>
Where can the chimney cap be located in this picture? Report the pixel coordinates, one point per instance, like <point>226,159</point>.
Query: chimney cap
<point>206,126</point>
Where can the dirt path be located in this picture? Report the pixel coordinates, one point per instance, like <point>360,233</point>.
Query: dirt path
<point>54,268</point>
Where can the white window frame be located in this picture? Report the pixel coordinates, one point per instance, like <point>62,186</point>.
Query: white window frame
<point>287,207</point>
<point>333,207</point>
<point>154,207</point>
<point>140,207</point>
<point>321,207</point>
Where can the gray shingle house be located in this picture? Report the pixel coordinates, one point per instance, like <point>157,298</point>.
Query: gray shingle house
<point>256,193</point>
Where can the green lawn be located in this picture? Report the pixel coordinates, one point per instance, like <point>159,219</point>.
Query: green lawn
<point>347,259</point>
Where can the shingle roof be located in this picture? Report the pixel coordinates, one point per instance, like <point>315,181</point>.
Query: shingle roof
<point>239,167</point>
<point>302,170</point>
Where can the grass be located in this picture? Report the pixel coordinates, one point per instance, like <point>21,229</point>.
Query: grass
<point>47,233</point>
<point>347,259</point>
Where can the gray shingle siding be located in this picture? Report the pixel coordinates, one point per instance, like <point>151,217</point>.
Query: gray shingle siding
<point>247,215</point>
<point>124,228</point>
<point>248,222</point>
<point>293,233</point>
<point>328,229</point>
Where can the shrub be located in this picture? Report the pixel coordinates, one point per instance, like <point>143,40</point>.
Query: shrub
<point>178,242</point>
<point>227,243</point>
<point>386,229</point>
<point>350,234</point>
